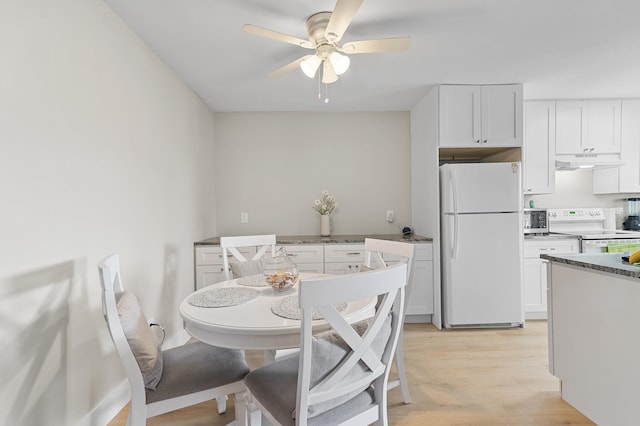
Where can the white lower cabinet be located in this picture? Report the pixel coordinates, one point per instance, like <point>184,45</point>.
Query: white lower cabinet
<point>535,272</point>
<point>307,257</point>
<point>343,258</point>
<point>209,267</point>
<point>332,259</point>
<point>421,297</point>
<point>347,258</point>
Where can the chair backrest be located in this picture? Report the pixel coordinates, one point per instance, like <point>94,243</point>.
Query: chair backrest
<point>396,251</point>
<point>324,295</point>
<point>112,289</point>
<point>230,247</point>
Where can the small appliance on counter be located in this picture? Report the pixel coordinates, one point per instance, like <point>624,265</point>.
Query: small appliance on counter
<point>633,215</point>
<point>535,222</point>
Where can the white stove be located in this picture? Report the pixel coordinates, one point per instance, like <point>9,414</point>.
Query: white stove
<point>591,226</point>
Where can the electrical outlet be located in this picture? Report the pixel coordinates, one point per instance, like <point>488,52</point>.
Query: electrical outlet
<point>390,216</point>
<point>244,217</point>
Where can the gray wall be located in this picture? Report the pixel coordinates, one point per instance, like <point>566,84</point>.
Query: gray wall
<point>102,150</point>
<point>274,165</point>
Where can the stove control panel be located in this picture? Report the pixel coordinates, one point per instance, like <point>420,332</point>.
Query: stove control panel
<point>576,215</point>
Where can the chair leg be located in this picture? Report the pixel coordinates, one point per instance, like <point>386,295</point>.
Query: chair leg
<point>402,375</point>
<point>222,404</point>
<point>241,408</point>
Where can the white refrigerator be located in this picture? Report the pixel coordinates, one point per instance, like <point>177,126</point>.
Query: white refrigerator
<point>481,245</point>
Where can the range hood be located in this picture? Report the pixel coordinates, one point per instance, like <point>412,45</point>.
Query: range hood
<point>593,162</point>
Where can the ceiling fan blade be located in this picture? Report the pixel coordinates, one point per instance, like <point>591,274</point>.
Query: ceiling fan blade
<point>341,17</point>
<point>263,32</point>
<point>394,44</point>
<point>289,67</point>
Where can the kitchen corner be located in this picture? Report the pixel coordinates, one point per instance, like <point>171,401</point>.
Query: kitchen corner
<point>337,254</point>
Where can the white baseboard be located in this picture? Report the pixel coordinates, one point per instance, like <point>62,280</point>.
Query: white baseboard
<point>109,407</point>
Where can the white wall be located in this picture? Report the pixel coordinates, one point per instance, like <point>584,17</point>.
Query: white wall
<point>274,165</point>
<point>102,150</point>
<point>574,188</point>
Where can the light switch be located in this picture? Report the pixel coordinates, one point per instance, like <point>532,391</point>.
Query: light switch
<point>244,217</point>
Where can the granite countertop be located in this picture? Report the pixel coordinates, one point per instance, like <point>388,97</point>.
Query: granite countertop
<point>333,239</point>
<point>604,262</point>
<point>549,237</point>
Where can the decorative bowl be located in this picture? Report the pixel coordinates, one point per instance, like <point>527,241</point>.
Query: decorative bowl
<point>280,271</point>
<point>282,280</point>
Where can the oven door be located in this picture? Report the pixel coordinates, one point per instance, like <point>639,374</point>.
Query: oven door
<point>609,245</point>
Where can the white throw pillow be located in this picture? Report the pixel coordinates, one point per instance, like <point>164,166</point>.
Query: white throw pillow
<point>143,342</point>
<point>243,269</point>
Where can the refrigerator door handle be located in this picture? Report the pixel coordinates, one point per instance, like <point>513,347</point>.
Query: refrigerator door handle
<point>454,196</point>
<point>454,191</point>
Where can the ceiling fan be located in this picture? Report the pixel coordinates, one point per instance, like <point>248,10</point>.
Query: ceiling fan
<point>325,31</point>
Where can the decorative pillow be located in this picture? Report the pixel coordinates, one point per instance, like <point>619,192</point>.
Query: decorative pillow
<point>329,349</point>
<point>242,269</point>
<point>141,339</point>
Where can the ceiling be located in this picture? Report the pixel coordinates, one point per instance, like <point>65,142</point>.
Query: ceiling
<point>557,48</point>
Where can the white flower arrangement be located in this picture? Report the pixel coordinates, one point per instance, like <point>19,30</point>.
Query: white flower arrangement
<point>326,204</point>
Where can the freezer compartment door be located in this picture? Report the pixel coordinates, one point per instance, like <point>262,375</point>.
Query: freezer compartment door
<point>482,278</point>
<point>481,187</point>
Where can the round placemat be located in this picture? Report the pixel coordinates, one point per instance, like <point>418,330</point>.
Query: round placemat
<point>287,307</point>
<point>257,280</point>
<point>222,297</point>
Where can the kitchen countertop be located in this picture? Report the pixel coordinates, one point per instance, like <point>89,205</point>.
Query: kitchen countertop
<point>333,239</point>
<point>548,237</point>
<point>604,262</point>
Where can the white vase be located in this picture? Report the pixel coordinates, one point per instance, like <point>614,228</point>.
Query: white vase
<point>325,225</point>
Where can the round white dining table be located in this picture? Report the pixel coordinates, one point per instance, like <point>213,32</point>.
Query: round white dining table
<point>252,325</point>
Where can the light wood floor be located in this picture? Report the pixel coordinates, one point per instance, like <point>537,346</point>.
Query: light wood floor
<point>457,377</point>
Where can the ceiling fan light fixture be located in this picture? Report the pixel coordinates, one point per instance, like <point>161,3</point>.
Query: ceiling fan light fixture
<point>310,65</point>
<point>339,62</point>
<point>328,74</point>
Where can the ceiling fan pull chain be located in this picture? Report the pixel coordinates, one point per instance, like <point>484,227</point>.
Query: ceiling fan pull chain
<point>326,93</point>
<point>319,88</point>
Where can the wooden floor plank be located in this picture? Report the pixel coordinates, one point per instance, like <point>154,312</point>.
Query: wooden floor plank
<point>456,377</point>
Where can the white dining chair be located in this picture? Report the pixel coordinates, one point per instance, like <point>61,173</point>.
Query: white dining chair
<point>394,251</point>
<point>166,380</point>
<point>340,376</point>
<point>242,265</point>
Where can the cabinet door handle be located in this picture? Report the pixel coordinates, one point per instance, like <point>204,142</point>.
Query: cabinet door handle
<point>478,141</point>
<point>354,253</point>
<point>484,141</point>
<point>591,149</point>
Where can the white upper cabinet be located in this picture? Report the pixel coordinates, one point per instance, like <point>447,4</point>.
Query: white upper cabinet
<point>480,116</point>
<point>588,127</point>
<point>539,147</point>
<point>626,178</point>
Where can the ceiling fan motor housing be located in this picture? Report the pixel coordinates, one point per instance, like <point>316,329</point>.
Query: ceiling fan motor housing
<point>316,27</point>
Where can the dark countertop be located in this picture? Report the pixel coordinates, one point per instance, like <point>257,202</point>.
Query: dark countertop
<point>604,262</point>
<point>333,239</point>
